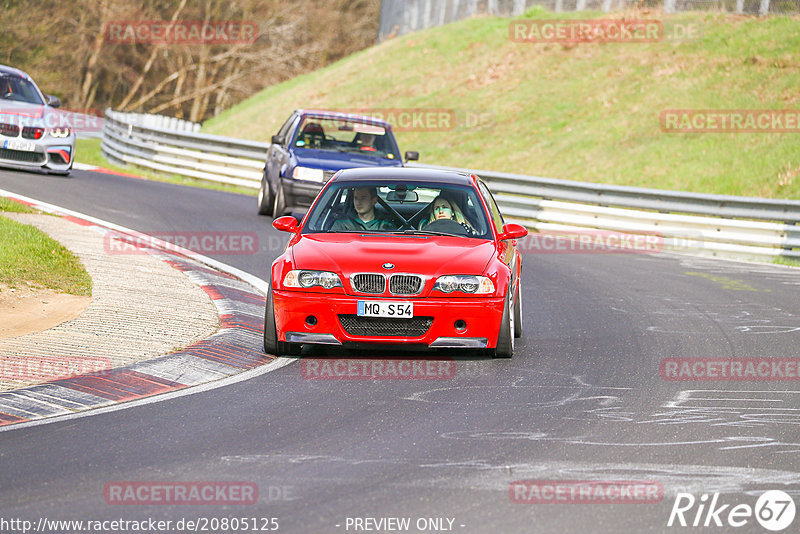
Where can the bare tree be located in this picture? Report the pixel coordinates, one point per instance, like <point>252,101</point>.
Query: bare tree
<point>86,69</point>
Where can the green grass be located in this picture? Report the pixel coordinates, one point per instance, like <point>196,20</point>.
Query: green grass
<point>12,206</point>
<point>29,256</point>
<point>88,151</point>
<point>588,111</point>
<point>781,260</point>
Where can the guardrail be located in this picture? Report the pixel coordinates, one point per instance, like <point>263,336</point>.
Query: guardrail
<point>741,227</point>
<point>196,155</point>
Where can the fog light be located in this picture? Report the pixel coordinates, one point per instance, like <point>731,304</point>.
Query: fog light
<point>460,325</point>
<point>311,320</point>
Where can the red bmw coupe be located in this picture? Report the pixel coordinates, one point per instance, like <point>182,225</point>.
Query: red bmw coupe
<point>398,256</point>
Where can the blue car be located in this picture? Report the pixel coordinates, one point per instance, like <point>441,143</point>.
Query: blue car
<point>311,146</point>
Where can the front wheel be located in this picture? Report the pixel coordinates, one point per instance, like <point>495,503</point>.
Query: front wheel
<point>271,343</point>
<point>264,198</point>
<point>505,339</point>
<point>518,313</point>
<point>280,202</point>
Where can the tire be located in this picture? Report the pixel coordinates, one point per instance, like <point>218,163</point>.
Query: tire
<point>518,313</point>
<point>264,198</point>
<point>271,343</point>
<point>280,202</point>
<point>505,339</point>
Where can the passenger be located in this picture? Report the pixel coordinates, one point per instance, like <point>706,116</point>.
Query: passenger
<point>445,208</point>
<point>364,199</point>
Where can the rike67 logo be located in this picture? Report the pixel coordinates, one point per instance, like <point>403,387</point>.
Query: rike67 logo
<point>774,510</point>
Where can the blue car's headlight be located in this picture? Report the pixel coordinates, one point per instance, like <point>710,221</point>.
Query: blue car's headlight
<point>306,279</point>
<point>477,285</point>
<point>305,173</point>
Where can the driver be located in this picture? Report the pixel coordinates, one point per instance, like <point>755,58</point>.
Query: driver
<point>367,142</point>
<point>445,208</point>
<point>364,199</point>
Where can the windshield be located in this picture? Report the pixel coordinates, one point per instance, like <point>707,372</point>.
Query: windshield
<point>397,207</point>
<point>12,87</point>
<point>339,135</point>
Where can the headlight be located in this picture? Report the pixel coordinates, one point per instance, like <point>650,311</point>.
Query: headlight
<point>477,285</point>
<point>60,132</point>
<point>304,173</point>
<point>306,279</point>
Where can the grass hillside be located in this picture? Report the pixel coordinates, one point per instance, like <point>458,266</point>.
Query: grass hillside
<point>587,111</point>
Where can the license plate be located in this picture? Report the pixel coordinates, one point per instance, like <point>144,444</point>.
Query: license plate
<point>377,308</point>
<point>14,144</point>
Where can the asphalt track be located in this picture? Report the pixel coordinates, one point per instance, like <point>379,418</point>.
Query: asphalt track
<point>583,399</point>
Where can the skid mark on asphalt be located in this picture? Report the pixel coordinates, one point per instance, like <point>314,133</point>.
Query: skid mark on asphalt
<point>487,475</point>
<point>752,412</point>
<point>740,317</point>
<point>726,283</point>
<point>674,478</point>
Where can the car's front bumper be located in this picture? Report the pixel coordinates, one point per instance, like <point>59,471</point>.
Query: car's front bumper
<point>481,318</point>
<point>300,193</point>
<point>55,154</point>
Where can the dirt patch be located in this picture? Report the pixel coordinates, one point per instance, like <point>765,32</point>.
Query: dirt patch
<point>26,310</point>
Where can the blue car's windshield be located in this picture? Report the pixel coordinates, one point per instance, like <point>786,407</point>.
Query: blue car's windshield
<point>12,87</point>
<point>398,207</point>
<point>339,135</point>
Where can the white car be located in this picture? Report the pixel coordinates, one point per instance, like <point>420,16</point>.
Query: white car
<point>33,134</point>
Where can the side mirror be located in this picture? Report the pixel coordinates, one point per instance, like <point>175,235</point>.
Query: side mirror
<point>412,155</point>
<point>277,140</point>
<point>53,101</point>
<point>287,223</point>
<point>513,231</point>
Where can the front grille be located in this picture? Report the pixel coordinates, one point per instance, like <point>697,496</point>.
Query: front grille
<point>369,283</point>
<point>9,130</point>
<point>32,132</point>
<point>405,284</point>
<point>385,326</point>
<point>21,155</point>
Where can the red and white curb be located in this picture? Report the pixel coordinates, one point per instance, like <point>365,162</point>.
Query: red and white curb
<point>232,354</point>
<point>85,167</point>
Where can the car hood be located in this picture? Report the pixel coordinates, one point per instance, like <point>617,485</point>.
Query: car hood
<point>350,253</point>
<point>25,109</point>
<point>334,161</point>
<point>24,113</point>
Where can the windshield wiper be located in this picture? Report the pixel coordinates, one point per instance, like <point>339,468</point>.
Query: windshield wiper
<point>418,232</point>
